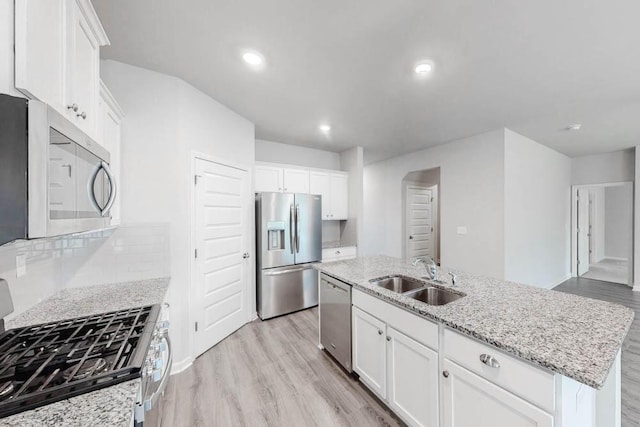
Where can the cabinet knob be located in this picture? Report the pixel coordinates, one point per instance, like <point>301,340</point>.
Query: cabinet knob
<point>337,252</point>
<point>379,332</point>
<point>245,255</point>
<point>388,338</point>
<point>73,107</point>
<point>83,115</point>
<point>285,188</point>
<point>445,374</point>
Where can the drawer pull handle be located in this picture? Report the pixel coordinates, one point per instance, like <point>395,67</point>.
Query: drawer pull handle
<point>445,374</point>
<point>489,360</point>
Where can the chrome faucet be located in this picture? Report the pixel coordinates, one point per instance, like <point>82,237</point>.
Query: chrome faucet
<point>430,266</point>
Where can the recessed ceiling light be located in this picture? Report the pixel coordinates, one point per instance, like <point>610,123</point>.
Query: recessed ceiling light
<point>325,128</point>
<point>574,127</point>
<point>424,67</point>
<point>253,58</point>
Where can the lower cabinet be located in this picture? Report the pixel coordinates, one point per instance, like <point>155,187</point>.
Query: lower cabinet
<point>400,370</point>
<point>471,401</point>
<point>369,351</point>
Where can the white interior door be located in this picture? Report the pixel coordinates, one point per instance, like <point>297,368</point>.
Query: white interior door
<point>222,237</point>
<point>419,223</point>
<point>583,231</point>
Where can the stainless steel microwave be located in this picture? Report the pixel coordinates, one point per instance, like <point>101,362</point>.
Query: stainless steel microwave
<point>54,179</point>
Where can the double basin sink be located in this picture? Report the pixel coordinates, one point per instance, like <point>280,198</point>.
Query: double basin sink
<point>417,290</point>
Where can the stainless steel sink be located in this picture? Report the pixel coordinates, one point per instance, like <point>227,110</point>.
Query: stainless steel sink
<point>434,296</point>
<point>398,284</point>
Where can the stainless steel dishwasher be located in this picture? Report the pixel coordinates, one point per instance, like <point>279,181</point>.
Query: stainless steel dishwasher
<point>335,319</point>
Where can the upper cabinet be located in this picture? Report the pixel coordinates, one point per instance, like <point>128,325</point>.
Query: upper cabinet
<point>274,179</point>
<point>334,189</point>
<point>110,116</point>
<point>57,45</point>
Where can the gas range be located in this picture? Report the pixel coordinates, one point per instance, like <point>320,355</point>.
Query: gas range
<point>45,363</point>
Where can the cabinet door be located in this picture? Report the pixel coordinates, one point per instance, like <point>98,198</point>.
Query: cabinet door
<point>339,197</point>
<point>82,71</point>
<point>39,47</point>
<point>369,351</point>
<point>320,183</point>
<point>413,380</point>
<point>268,179</point>
<point>471,401</point>
<point>296,181</point>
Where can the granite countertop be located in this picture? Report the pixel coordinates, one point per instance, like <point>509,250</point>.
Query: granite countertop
<point>574,336</point>
<point>112,406</point>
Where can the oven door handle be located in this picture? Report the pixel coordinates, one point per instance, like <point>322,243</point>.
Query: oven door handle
<point>152,400</point>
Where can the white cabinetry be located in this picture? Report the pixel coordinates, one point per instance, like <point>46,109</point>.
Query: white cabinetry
<point>273,179</point>
<point>110,116</point>
<point>391,356</point>
<point>369,351</point>
<point>268,179</point>
<point>338,254</point>
<point>334,189</point>
<point>57,44</point>
<point>471,401</point>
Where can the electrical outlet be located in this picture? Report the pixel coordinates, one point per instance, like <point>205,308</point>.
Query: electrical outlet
<point>21,265</point>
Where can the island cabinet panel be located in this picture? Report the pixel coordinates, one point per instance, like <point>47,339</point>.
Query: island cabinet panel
<point>472,401</point>
<point>413,380</point>
<point>517,376</point>
<point>369,353</point>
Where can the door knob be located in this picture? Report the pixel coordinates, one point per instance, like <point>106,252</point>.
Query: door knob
<point>245,255</point>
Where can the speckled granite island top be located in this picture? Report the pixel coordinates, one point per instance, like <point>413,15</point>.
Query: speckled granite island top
<point>111,406</point>
<point>574,336</point>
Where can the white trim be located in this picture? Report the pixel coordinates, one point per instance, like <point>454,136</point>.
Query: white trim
<point>614,258</point>
<point>559,282</point>
<point>89,13</point>
<point>177,367</point>
<point>251,311</point>
<point>106,95</point>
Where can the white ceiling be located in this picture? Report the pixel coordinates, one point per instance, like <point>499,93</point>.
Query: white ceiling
<point>531,66</point>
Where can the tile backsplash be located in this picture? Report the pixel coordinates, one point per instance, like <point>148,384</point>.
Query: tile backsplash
<point>126,253</point>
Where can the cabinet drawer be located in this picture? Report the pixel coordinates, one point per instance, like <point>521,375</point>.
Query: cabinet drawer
<point>422,330</point>
<point>532,384</point>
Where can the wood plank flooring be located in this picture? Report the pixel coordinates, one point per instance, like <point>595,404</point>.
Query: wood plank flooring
<point>270,374</point>
<point>620,294</point>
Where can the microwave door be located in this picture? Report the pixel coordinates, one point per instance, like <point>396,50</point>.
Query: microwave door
<point>62,170</point>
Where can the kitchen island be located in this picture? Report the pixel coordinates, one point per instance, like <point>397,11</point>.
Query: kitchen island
<point>565,348</point>
<point>110,406</point>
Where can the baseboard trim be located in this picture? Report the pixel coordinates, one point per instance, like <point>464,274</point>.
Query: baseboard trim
<point>181,365</point>
<point>636,288</point>
<point>559,282</point>
<point>613,258</point>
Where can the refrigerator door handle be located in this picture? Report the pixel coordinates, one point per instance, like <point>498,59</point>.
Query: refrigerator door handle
<point>291,221</point>
<point>297,229</point>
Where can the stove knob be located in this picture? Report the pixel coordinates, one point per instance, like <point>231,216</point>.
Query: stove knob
<point>164,324</point>
<point>147,405</point>
<point>147,371</point>
<point>157,375</point>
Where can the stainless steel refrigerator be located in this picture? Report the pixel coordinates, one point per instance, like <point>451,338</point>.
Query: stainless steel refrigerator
<point>289,241</point>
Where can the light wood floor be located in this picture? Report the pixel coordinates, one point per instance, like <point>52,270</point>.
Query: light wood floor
<point>270,374</point>
<point>620,294</point>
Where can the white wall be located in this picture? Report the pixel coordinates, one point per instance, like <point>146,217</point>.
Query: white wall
<point>472,195</point>
<point>537,191</point>
<point>166,121</point>
<point>6,49</point>
<point>275,152</point>
<point>618,166</point>
<point>618,221</point>
<point>352,161</point>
